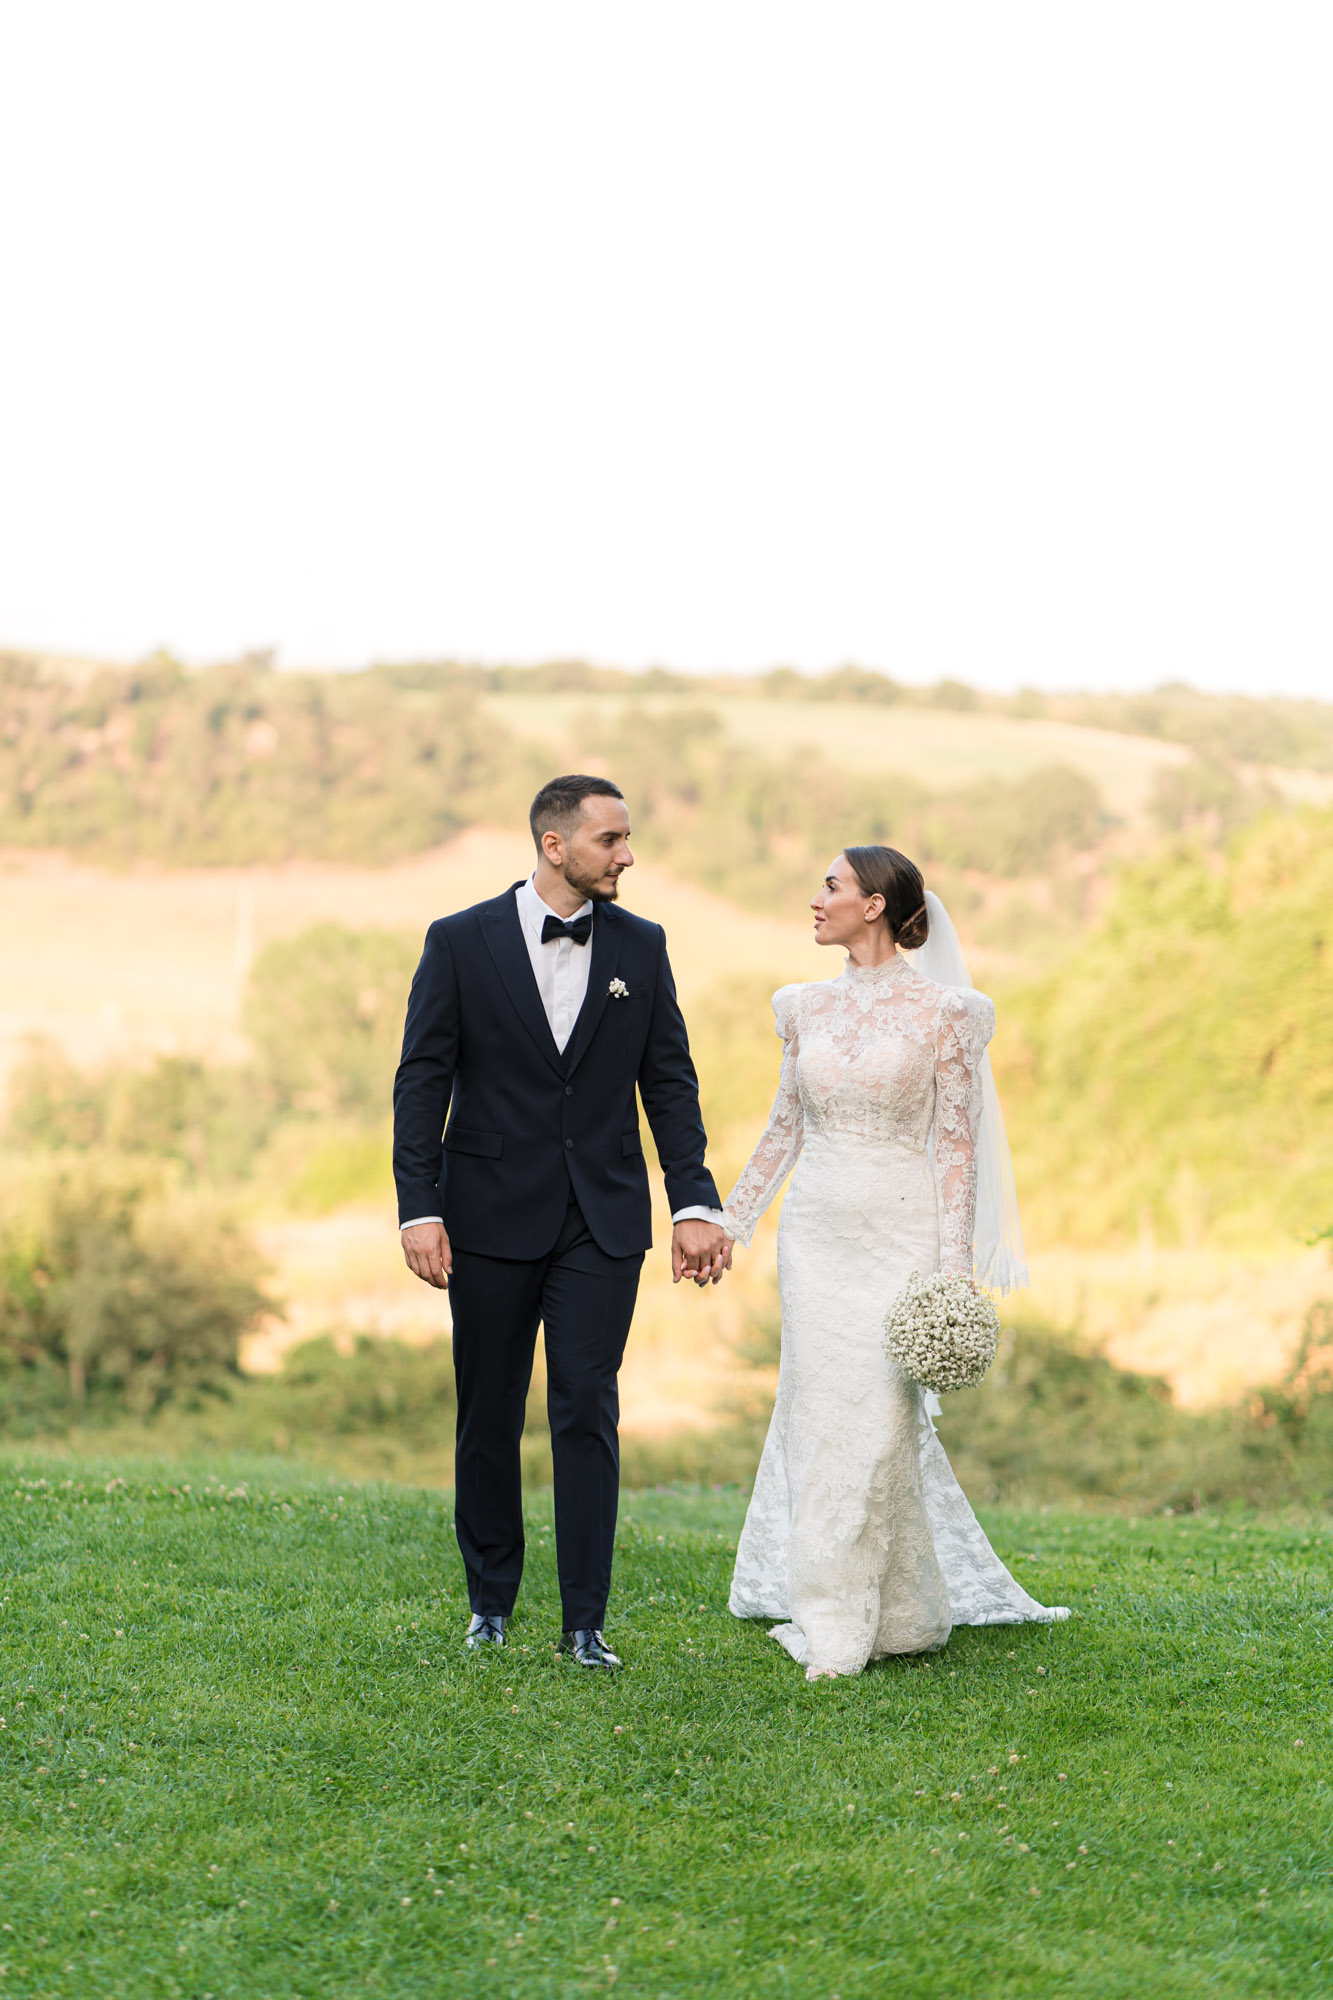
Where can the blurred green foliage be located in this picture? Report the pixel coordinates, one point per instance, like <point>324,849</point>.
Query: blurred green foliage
<point>1208,798</point>
<point>239,763</point>
<point>1229,729</point>
<point>1056,1422</point>
<point>331,1166</point>
<point>114,1291</point>
<point>308,1115</point>
<point>324,1013</point>
<point>1176,1071</point>
<point>760,831</point>
<point>209,1119</point>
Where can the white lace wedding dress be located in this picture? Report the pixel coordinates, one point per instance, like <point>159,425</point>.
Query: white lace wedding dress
<point>858,1536</point>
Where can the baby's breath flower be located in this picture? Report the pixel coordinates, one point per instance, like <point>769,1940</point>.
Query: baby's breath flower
<point>941,1333</point>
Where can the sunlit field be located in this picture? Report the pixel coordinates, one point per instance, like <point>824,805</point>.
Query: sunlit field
<point>131,962</point>
<point>936,748</point>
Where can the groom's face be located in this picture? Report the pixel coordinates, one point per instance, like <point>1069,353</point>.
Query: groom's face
<point>596,852</point>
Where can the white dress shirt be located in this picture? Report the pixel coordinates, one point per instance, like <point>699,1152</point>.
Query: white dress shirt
<point>560,969</point>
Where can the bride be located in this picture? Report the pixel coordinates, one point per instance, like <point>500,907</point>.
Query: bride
<point>858,1537</point>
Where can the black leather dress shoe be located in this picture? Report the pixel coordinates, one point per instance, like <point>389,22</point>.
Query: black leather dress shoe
<point>485,1630</point>
<point>588,1648</point>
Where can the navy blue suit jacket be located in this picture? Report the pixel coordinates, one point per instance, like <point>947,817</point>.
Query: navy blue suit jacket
<point>527,1123</point>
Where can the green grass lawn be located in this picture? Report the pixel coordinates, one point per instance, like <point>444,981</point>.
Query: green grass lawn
<point>245,1754</point>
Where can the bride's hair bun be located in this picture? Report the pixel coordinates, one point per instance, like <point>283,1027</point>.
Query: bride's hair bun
<point>883,871</point>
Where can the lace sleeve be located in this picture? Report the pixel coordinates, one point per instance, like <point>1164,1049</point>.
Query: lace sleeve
<point>966,1024</point>
<point>779,1148</point>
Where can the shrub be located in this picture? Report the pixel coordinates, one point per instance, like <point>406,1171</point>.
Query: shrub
<point>209,1120</point>
<point>325,1011</point>
<point>1056,1421</point>
<point>112,1291</point>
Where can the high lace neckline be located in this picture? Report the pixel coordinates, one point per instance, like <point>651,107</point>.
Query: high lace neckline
<point>884,974</point>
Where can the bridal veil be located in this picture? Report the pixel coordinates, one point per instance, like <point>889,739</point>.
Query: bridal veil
<point>1000,1259</point>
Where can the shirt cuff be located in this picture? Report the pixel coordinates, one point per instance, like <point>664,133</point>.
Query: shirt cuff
<point>699,1215</point>
<point>417,1221</point>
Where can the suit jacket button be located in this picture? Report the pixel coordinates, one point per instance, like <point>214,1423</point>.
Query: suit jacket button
<point>569,1090</point>
<point>569,1145</point>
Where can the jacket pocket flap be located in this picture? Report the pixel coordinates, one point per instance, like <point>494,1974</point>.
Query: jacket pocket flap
<point>631,1144</point>
<point>486,1145</point>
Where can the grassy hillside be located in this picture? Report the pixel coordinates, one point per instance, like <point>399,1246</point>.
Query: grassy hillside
<point>746,786</point>
<point>940,749</point>
<point>245,1755</point>
<point>1175,1075</point>
<point>240,764</point>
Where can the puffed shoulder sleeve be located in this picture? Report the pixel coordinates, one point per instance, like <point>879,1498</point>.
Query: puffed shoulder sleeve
<point>779,1148</point>
<point>786,1002</point>
<point>978,1024</point>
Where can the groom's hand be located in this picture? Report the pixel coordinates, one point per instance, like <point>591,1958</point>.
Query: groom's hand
<point>426,1248</point>
<point>699,1250</point>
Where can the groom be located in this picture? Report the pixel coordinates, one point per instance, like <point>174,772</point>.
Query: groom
<point>532,1019</point>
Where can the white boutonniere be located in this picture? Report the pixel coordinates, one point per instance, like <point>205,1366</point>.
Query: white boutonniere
<point>618,990</point>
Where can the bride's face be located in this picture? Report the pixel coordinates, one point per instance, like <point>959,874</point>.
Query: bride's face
<point>843,911</point>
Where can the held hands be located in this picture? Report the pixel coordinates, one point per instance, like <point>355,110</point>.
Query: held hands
<point>426,1248</point>
<point>699,1250</point>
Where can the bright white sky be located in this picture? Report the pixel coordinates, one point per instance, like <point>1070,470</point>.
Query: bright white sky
<point>972,339</point>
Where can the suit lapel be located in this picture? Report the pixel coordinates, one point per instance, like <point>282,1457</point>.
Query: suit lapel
<point>607,936</point>
<point>503,932</point>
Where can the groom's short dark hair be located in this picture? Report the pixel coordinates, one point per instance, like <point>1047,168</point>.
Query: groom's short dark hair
<point>560,801</point>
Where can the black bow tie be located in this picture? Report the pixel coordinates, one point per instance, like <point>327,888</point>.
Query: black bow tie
<point>578,928</point>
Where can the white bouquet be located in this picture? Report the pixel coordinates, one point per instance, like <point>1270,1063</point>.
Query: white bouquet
<point>941,1333</point>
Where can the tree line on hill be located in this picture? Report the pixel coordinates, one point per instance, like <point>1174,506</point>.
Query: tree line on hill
<point>1225,729</point>
<point>240,764</point>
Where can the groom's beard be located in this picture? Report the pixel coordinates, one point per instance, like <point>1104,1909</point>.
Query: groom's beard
<point>593,888</point>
